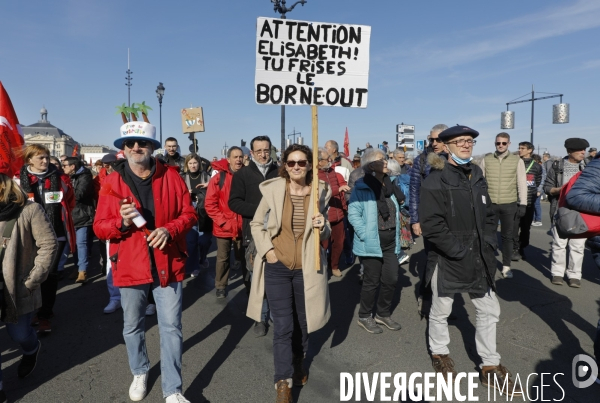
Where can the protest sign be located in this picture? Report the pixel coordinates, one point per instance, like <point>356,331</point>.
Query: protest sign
<point>192,120</point>
<point>311,63</point>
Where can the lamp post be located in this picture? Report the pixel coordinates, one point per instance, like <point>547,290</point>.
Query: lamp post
<point>160,91</point>
<point>280,7</point>
<point>560,112</point>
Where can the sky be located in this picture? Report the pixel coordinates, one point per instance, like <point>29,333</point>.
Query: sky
<point>431,62</point>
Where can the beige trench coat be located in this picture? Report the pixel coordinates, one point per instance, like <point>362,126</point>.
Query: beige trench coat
<point>316,289</point>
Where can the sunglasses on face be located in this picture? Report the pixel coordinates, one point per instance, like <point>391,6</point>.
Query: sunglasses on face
<point>501,143</point>
<point>301,163</point>
<point>141,143</point>
<point>435,140</point>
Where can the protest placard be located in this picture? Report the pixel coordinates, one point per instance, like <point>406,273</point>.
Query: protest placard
<point>192,120</point>
<point>311,63</point>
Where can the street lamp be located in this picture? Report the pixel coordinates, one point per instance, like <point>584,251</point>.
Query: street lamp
<point>160,91</point>
<point>560,112</point>
<point>279,7</point>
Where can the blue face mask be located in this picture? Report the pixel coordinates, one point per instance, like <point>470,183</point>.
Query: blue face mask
<point>460,161</point>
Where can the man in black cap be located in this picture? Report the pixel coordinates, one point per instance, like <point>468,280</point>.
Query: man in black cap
<point>591,155</point>
<point>457,220</point>
<point>557,176</point>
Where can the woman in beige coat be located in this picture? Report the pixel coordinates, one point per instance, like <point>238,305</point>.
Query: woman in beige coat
<point>284,268</point>
<point>29,251</point>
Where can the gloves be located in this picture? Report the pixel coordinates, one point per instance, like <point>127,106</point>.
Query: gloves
<point>521,211</point>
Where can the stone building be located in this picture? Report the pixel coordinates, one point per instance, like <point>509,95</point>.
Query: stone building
<point>44,133</point>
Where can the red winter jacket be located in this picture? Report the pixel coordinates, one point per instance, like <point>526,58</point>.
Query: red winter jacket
<point>337,204</point>
<point>226,223</point>
<point>128,251</point>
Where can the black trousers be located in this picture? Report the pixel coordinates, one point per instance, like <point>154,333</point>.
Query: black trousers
<point>523,224</point>
<point>381,273</point>
<point>285,293</point>
<point>506,214</point>
<point>50,286</point>
<point>425,289</point>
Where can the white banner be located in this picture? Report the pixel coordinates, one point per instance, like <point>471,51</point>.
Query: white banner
<point>311,63</point>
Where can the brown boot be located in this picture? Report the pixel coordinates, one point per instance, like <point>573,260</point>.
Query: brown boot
<point>443,364</point>
<point>284,391</point>
<point>300,376</point>
<point>503,383</point>
<point>82,277</point>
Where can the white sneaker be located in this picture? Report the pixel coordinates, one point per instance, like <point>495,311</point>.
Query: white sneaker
<point>404,259</point>
<point>195,273</point>
<point>507,272</point>
<point>150,310</point>
<point>137,390</point>
<point>536,224</point>
<point>112,306</point>
<point>176,398</point>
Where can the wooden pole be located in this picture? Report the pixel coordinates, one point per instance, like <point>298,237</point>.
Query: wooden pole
<point>315,182</point>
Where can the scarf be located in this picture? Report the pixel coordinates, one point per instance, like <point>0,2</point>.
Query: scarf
<point>51,182</point>
<point>10,209</point>
<point>383,191</point>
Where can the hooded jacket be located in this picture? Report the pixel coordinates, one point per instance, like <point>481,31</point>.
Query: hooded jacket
<point>226,223</point>
<point>83,186</point>
<point>128,250</point>
<point>457,219</point>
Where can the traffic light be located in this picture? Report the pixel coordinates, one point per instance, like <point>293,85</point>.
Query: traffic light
<point>243,143</point>
<point>192,137</point>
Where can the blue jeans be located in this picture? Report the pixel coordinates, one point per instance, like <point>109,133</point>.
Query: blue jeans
<point>64,256</point>
<point>537,215</point>
<point>193,249</point>
<point>168,309</point>
<point>23,334</point>
<point>84,244</point>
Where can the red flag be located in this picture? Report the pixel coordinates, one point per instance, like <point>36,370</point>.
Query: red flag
<point>75,150</point>
<point>347,144</point>
<point>11,137</point>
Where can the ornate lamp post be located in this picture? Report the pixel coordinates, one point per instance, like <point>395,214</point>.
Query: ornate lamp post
<point>280,7</point>
<point>160,91</point>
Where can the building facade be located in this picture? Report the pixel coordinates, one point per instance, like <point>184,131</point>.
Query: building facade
<point>58,142</point>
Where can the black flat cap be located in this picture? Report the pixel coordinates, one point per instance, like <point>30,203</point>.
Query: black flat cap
<point>576,143</point>
<point>591,150</point>
<point>456,131</point>
<point>108,158</point>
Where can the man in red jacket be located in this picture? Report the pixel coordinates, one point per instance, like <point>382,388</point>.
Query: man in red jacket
<point>227,225</point>
<point>147,252</point>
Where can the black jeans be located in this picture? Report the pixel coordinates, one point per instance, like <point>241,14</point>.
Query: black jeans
<point>380,271</point>
<point>285,293</point>
<point>523,224</point>
<point>506,214</point>
<point>424,287</point>
<point>50,286</point>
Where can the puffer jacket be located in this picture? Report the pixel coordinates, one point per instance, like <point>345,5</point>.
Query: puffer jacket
<point>534,179</point>
<point>418,173</point>
<point>128,250</point>
<point>362,214</point>
<point>226,223</point>
<point>584,196</point>
<point>337,203</point>
<point>458,221</point>
<point>83,185</point>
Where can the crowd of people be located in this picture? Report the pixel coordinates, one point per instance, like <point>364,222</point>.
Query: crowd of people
<point>156,217</point>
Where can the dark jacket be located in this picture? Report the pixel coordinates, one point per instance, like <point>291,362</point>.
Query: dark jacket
<point>584,196</point>
<point>245,194</point>
<point>534,178</point>
<point>83,185</point>
<point>419,172</point>
<point>175,161</point>
<point>554,179</point>
<point>458,221</point>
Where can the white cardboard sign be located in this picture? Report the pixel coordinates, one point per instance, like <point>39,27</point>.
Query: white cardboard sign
<point>311,63</point>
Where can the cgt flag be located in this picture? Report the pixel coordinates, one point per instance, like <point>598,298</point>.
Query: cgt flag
<point>347,144</point>
<point>11,137</point>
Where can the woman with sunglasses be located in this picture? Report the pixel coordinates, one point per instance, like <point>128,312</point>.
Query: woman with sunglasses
<point>284,267</point>
<point>374,213</point>
<point>46,185</point>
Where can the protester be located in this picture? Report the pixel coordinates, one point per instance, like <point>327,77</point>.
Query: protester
<point>83,213</point>
<point>356,161</point>
<point>245,197</point>
<point>458,220</point>
<point>148,263</point>
<point>227,225</point>
<point>374,213</point>
<point>172,156</point>
<point>30,251</point>
<point>43,183</point>
<point>402,181</point>
<point>340,164</point>
<point>285,265</point>
<point>591,155</point>
<point>338,210</point>
<point>420,171</point>
<point>401,159</point>
<point>199,238</point>
<point>385,148</point>
<point>409,164</point>
<point>559,174</point>
<point>533,172</point>
<point>507,186</point>
<point>56,162</point>
<point>537,215</point>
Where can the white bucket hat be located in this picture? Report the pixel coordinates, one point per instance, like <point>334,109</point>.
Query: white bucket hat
<point>137,131</point>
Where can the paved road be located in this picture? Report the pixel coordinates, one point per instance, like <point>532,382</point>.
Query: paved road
<point>542,328</point>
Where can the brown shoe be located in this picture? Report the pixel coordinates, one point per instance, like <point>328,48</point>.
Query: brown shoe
<point>336,272</point>
<point>300,377</point>
<point>443,364</point>
<point>82,277</point>
<point>284,392</point>
<point>503,383</point>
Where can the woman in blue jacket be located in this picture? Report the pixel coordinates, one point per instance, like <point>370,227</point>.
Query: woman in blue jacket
<point>374,213</point>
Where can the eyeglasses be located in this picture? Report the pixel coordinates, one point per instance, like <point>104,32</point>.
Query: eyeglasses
<point>435,140</point>
<point>301,163</point>
<point>462,142</point>
<point>262,151</point>
<point>141,143</point>
<point>65,165</point>
<point>501,143</point>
